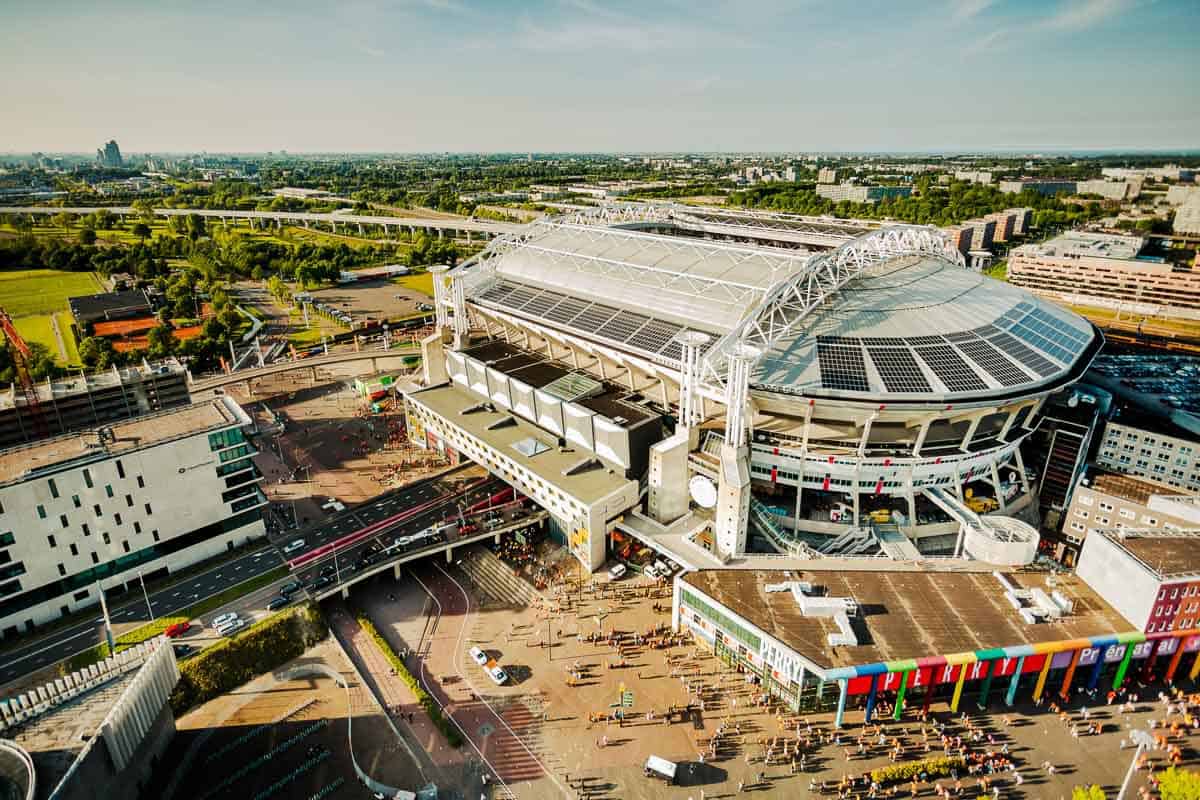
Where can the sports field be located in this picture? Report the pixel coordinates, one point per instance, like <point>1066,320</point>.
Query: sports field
<point>43,291</point>
<point>33,297</point>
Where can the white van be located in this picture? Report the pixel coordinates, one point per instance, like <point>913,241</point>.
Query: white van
<point>497,674</point>
<point>616,572</point>
<point>663,570</point>
<point>660,768</point>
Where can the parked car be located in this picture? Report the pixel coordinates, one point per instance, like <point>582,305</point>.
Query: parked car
<point>650,571</point>
<point>663,570</point>
<point>479,656</point>
<point>293,546</point>
<point>290,588</point>
<point>329,569</point>
<point>323,581</point>
<point>177,629</point>
<point>616,572</point>
<point>233,627</point>
<point>184,650</point>
<point>497,674</point>
<point>278,602</point>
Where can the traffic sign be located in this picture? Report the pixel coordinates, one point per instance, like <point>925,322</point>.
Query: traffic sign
<point>627,699</point>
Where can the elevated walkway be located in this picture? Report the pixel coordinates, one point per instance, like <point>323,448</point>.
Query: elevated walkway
<point>994,539</point>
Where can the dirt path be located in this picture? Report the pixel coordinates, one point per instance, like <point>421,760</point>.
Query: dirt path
<point>58,338</point>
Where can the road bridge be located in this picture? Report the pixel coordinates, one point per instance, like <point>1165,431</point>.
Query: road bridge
<point>379,360</point>
<point>463,226</point>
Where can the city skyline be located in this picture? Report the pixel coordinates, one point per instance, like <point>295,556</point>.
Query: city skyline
<point>575,76</point>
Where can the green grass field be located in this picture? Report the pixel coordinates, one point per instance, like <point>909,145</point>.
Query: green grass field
<point>24,292</point>
<point>421,282</point>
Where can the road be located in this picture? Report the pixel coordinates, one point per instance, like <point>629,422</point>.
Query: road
<point>206,383</point>
<point>486,227</point>
<point>65,643</point>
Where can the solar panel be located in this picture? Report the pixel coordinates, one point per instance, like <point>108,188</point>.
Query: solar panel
<point>1038,340</point>
<point>654,335</point>
<point>961,336</point>
<point>1024,355</point>
<point>567,309</point>
<point>883,341</point>
<point>986,330</point>
<point>994,363</point>
<point>923,340</point>
<point>542,303</point>
<point>622,326</point>
<point>593,317</point>
<point>498,292</point>
<point>898,369</point>
<point>842,367</point>
<point>847,340</point>
<point>673,351</point>
<point>518,297</point>
<point>950,368</point>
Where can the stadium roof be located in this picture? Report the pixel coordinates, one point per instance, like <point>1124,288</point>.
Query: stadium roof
<point>917,326</point>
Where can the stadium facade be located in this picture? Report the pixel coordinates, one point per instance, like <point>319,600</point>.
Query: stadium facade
<point>809,385</point>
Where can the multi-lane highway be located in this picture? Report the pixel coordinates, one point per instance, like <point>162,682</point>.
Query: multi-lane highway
<point>52,648</point>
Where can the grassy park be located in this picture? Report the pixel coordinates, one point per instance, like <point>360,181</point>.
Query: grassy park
<point>36,297</point>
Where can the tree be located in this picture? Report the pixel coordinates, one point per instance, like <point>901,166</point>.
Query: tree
<point>141,230</point>
<point>195,227</point>
<point>160,341</point>
<point>1092,792</point>
<point>87,236</point>
<point>1178,784</point>
<point>63,219</point>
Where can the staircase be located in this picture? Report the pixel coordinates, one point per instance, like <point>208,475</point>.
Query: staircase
<point>766,524</point>
<point>1067,448</point>
<point>494,582</point>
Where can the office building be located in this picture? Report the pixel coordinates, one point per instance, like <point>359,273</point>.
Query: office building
<point>1150,575</point>
<point>1006,222</point>
<point>960,237</point>
<point>1045,186</point>
<point>1180,193</point>
<point>974,176</point>
<point>109,155</point>
<point>85,512</point>
<point>861,194</point>
<point>1162,454</point>
<point>1105,499</point>
<point>87,401</point>
<point>1110,190</point>
<point>990,638</point>
<point>1097,269</point>
<point>1187,218</point>
<point>827,175</point>
<point>1022,220</point>
<point>982,233</point>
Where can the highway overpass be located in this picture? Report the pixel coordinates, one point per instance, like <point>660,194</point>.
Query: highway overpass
<point>467,228</point>
<point>374,361</point>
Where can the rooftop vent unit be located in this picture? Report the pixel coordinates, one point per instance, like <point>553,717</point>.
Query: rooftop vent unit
<point>840,609</point>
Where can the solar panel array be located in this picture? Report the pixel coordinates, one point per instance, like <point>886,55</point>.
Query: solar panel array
<point>593,319</point>
<point>898,369</point>
<point>994,362</point>
<point>842,366</point>
<point>950,368</point>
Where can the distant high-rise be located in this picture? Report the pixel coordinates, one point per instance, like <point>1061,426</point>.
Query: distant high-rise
<point>109,155</point>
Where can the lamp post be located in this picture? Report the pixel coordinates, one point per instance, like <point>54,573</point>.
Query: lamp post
<point>146,595</point>
<point>1144,741</point>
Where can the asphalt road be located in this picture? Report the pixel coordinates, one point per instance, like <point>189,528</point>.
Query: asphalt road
<point>132,609</point>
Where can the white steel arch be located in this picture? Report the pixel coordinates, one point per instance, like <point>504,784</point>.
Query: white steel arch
<point>790,301</point>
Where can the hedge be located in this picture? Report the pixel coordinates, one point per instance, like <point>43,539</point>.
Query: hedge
<point>931,767</point>
<point>97,653</point>
<point>453,737</point>
<point>256,650</point>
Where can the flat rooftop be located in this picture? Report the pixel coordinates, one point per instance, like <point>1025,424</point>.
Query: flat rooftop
<point>905,615</point>
<point>55,739</point>
<point>48,391</point>
<point>1164,553</point>
<point>1118,485</point>
<point>1085,243</point>
<point>133,434</point>
<point>588,485</point>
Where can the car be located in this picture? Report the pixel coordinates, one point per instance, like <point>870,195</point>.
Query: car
<point>224,619</point>
<point>183,650</point>
<point>290,588</point>
<point>329,569</point>
<point>469,528</point>
<point>233,627</point>
<point>674,567</point>
<point>616,572</point>
<point>323,581</point>
<point>650,571</point>
<point>663,570</point>
<point>479,656</point>
<point>293,546</point>
<point>177,629</point>
<point>497,674</point>
<point>278,602</point>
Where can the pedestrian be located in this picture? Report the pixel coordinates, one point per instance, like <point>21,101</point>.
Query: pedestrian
<point>741,786</point>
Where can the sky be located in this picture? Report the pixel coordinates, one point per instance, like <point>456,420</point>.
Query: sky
<point>599,75</point>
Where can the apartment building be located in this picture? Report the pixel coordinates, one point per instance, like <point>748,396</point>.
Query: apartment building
<point>1162,456</point>
<point>1105,499</point>
<point>88,511</point>
<point>1098,269</point>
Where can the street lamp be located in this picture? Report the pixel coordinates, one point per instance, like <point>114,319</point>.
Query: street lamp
<point>1144,741</point>
<point>149,608</point>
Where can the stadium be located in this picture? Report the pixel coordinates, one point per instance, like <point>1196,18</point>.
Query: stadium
<point>732,382</point>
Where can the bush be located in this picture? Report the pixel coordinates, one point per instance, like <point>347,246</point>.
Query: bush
<point>930,767</point>
<point>259,649</point>
<point>453,737</point>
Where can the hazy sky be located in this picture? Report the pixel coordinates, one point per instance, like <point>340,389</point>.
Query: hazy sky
<point>432,75</point>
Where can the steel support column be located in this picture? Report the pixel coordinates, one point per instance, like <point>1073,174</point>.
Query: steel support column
<point>843,686</point>
<point>1012,685</point>
<point>900,695</point>
<point>871,695</point>
<point>1120,676</point>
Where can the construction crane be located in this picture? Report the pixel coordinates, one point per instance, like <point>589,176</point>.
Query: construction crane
<point>21,355</point>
